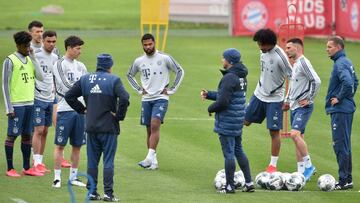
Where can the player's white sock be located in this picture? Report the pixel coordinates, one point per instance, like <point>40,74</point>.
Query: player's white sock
<point>73,173</point>
<point>307,161</point>
<point>300,167</point>
<point>40,159</point>
<point>151,154</point>
<point>273,160</point>
<point>57,173</point>
<point>155,161</point>
<point>36,158</point>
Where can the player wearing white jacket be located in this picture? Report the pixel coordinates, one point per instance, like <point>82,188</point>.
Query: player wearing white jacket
<point>154,68</point>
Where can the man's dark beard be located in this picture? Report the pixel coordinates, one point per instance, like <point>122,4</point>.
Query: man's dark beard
<point>149,51</point>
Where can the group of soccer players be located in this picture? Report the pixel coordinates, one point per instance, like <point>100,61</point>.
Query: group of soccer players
<point>33,74</point>
<point>36,79</point>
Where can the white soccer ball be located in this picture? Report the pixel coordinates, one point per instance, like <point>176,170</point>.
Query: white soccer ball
<point>276,181</point>
<point>220,179</point>
<point>296,182</point>
<point>286,176</point>
<point>302,177</point>
<point>262,179</point>
<point>239,179</point>
<point>326,182</point>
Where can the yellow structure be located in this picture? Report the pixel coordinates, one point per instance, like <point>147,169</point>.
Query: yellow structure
<point>155,13</point>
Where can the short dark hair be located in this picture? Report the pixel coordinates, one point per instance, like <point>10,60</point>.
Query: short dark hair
<point>73,41</point>
<point>147,36</point>
<point>265,36</point>
<point>296,41</point>
<point>49,33</point>
<point>338,41</point>
<point>34,23</point>
<point>22,37</point>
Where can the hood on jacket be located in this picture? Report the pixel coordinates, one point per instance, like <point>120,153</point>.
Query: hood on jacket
<point>238,69</point>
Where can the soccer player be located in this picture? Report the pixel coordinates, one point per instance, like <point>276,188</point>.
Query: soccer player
<point>44,98</point>
<point>69,124</point>
<point>18,84</point>
<point>102,121</point>
<point>269,93</point>
<point>340,105</point>
<point>36,29</point>
<point>305,84</point>
<point>229,107</point>
<point>154,68</point>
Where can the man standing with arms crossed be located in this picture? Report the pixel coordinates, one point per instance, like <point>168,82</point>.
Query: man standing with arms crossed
<point>305,84</point>
<point>70,124</point>
<point>155,68</point>
<point>102,121</point>
<point>269,93</point>
<point>44,98</point>
<point>340,105</point>
<point>18,84</point>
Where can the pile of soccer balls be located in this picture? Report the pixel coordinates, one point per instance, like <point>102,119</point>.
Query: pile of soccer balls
<point>275,181</point>
<point>220,179</point>
<point>280,181</point>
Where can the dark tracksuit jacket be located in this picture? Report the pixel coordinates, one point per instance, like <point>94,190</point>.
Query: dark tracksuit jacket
<point>103,93</point>
<point>342,85</point>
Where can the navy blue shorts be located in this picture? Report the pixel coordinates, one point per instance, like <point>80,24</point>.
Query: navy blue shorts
<point>42,113</point>
<point>258,110</point>
<point>300,116</point>
<point>153,109</point>
<point>70,124</point>
<point>21,124</point>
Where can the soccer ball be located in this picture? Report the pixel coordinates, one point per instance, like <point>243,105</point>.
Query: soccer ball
<point>239,179</point>
<point>286,176</point>
<point>276,181</point>
<point>326,182</point>
<point>220,179</point>
<point>302,177</point>
<point>296,182</point>
<point>262,179</point>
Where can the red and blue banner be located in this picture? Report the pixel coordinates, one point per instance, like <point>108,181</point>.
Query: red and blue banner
<point>320,17</point>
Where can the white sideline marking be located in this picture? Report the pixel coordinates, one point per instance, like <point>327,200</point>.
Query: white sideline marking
<point>17,200</point>
<point>177,119</point>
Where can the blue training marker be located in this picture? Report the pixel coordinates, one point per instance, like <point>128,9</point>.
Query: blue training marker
<point>92,187</point>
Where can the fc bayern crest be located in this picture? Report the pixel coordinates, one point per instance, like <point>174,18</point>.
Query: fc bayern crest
<point>60,139</point>
<point>15,130</point>
<point>354,16</point>
<point>254,15</point>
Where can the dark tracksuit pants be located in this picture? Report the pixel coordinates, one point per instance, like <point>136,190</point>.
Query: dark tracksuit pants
<point>97,144</point>
<point>232,148</point>
<point>341,135</point>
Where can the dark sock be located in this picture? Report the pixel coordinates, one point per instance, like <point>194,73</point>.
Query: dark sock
<point>26,151</point>
<point>9,151</point>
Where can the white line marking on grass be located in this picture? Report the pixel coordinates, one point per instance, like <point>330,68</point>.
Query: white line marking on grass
<point>17,200</point>
<point>177,119</point>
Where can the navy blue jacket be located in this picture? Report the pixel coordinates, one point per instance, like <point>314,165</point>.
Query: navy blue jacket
<point>229,105</point>
<point>103,93</point>
<point>342,85</point>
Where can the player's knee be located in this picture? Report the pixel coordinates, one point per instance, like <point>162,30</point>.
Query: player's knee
<point>26,139</point>
<point>10,140</point>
